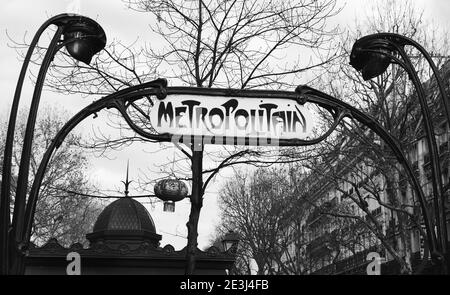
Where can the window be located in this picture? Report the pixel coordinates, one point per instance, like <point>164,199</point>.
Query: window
<point>415,168</point>
<point>428,175</point>
<point>334,201</point>
<point>443,147</point>
<point>426,159</point>
<point>376,211</point>
<point>445,174</point>
<point>413,153</point>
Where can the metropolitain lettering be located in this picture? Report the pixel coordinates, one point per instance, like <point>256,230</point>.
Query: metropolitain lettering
<point>262,118</point>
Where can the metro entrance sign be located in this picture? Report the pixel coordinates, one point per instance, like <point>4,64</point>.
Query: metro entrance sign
<point>248,117</point>
<point>198,116</point>
<point>231,120</point>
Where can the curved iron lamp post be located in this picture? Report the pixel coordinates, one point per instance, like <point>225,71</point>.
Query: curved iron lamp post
<point>82,37</point>
<point>372,55</point>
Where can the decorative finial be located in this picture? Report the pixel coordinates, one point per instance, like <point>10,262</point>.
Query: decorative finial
<point>126,182</point>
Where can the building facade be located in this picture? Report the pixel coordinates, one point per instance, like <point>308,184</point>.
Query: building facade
<point>353,186</point>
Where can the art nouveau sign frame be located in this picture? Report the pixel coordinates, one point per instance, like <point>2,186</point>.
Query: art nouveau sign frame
<point>173,109</point>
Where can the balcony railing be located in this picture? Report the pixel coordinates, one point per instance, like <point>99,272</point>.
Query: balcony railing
<point>318,212</point>
<point>351,265</point>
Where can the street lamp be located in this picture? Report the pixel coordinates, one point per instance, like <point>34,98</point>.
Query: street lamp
<point>83,38</point>
<point>230,241</point>
<point>371,55</point>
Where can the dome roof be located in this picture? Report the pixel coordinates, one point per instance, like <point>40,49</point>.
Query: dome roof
<point>125,214</point>
<point>124,219</point>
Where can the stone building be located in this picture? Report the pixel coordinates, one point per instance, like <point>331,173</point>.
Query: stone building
<point>124,241</point>
<point>348,182</point>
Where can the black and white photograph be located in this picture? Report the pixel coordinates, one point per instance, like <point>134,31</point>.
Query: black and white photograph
<point>225,143</point>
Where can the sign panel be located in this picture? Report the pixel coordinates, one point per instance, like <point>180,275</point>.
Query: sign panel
<point>231,117</point>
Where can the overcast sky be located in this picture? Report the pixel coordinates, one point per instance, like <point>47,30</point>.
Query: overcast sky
<point>18,17</point>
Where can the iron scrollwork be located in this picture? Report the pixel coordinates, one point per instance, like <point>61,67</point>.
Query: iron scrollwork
<point>126,98</point>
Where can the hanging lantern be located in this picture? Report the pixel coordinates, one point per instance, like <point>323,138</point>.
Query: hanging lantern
<point>170,191</point>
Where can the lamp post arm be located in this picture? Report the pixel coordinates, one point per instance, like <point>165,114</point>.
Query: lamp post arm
<point>389,44</point>
<point>442,202</point>
<point>438,78</point>
<point>5,213</point>
<point>5,193</point>
<point>396,40</point>
<point>438,190</point>
<point>56,142</point>
<point>22,182</point>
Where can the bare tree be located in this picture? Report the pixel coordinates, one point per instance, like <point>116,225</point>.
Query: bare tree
<point>220,43</point>
<point>238,44</point>
<point>261,206</point>
<point>59,214</point>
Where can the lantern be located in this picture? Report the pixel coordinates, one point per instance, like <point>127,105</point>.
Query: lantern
<point>230,241</point>
<point>170,191</point>
<point>87,38</point>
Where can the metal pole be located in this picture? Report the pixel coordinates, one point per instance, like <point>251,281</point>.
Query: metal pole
<point>5,198</point>
<point>385,44</point>
<point>196,205</point>
<point>12,235</point>
<point>434,158</point>
<point>407,41</point>
<point>443,197</point>
<point>22,181</point>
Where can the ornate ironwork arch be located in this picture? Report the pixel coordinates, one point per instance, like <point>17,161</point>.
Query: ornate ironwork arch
<point>125,98</point>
